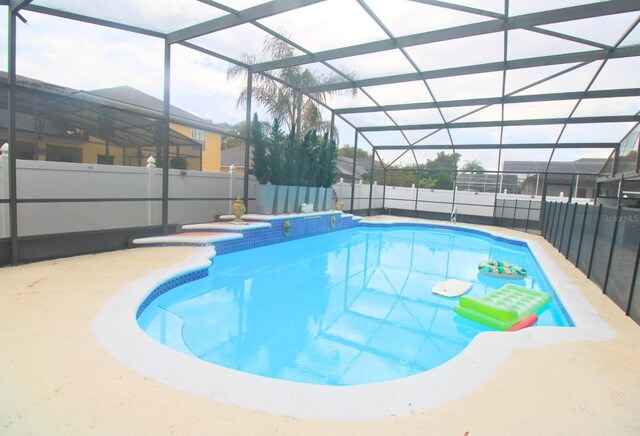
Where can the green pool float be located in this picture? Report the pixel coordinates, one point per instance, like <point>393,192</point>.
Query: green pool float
<point>505,270</point>
<point>503,308</point>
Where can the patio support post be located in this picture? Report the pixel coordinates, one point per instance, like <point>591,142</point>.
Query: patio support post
<point>333,126</point>
<point>247,140</point>
<point>299,119</point>
<point>13,147</point>
<point>353,171</point>
<point>166,108</point>
<point>36,128</point>
<point>573,182</point>
<point>384,186</point>
<point>495,194</point>
<point>455,185</point>
<point>543,199</point>
<point>415,206</point>
<point>620,189</point>
<point>638,156</point>
<point>373,160</point>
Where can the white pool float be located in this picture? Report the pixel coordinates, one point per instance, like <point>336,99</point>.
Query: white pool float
<point>451,288</point>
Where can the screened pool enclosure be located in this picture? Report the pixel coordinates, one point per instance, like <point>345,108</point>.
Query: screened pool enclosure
<point>472,111</point>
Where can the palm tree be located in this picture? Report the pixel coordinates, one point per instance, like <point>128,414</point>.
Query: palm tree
<point>281,101</point>
<point>472,166</point>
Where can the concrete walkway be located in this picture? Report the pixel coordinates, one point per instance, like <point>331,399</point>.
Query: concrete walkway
<point>55,379</point>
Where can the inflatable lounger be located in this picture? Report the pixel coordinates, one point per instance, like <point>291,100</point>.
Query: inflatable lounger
<point>504,270</point>
<point>503,308</point>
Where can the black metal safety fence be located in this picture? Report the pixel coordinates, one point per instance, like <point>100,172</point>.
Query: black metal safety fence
<point>518,214</point>
<point>604,243</point>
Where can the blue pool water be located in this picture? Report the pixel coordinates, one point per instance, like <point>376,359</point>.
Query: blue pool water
<point>345,308</point>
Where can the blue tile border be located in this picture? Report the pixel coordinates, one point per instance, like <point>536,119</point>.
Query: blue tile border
<point>170,284</point>
<point>457,229</point>
<point>301,227</point>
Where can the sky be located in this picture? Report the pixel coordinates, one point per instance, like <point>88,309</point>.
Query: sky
<point>87,57</point>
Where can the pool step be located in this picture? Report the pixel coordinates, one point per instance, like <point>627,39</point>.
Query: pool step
<point>196,239</point>
<point>255,231</point>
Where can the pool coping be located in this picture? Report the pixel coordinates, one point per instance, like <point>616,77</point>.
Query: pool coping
<point>116,330</point>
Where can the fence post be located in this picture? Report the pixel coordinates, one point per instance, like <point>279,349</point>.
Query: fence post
<point>546,213</point>
<point>555,236</point>
<point>595,238</point>
<point>552,216</point>
<point>573,220</point>
<point>232,169</point>
<point>564,224</point>
<point>584,222</point>
<point>515,214</point>
<point>613,241</point>
<point>151,164</point>
<point>4,179</point>
<point>384,188</point>
<point>526,223</point>
<point>552,221</point>
<point>633,280</point>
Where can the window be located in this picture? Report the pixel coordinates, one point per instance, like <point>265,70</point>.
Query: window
<point>61,153</point>
<point>103,159</point>
<point>199,135</point>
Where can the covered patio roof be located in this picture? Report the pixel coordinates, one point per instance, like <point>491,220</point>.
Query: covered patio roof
<point>430,75</point>
<point>456,69</point>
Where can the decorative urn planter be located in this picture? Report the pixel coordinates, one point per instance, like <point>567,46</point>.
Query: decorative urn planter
<point>238,209</point>
<point>280,199</point>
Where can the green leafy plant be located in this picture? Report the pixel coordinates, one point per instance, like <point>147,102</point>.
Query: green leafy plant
<point>178,163</point>
<point>280,160</point>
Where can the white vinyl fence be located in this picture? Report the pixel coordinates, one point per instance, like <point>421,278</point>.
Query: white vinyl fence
<point>118,188</point>
<point>45,188</point>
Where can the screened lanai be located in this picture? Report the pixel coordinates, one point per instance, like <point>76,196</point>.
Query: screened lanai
<point>466,110</point>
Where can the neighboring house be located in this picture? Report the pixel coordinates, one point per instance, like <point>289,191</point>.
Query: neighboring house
<point>113,126</point>
<point>488,182</point>
<point>234,156</point>
<point>577,178</point>
<point>344,166</point>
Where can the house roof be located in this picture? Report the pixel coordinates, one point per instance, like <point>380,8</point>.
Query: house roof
<point>65,110</point>
<point>344,165</point>
<point>234,156</point>
<point>133,96</point>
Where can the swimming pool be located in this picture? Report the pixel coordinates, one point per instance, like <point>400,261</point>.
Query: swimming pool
<point>116,330</point>
<point>345,308</point>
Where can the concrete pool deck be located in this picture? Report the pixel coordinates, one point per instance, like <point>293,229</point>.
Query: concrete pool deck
<point>56,379</point>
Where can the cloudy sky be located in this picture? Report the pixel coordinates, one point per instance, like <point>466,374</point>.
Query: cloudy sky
<point>90,57</point>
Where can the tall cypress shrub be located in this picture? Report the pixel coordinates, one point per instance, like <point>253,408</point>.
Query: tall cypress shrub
<point>260,159</point>
<point>291,171</point>
<point>306,161</point>
<point>328,159</point>
<point>276,158</point>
